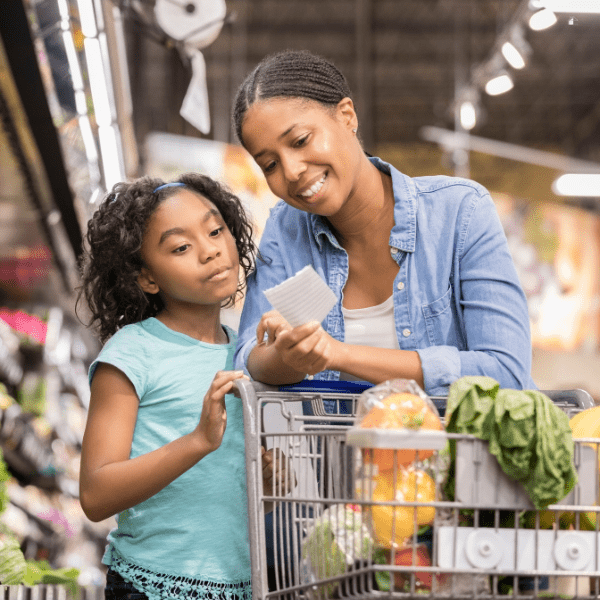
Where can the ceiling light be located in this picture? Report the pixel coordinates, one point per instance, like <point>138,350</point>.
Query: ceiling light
<point>578,184</point>
<point>571,6</point>
<point>542,19</point>
<point>499,84</point>
<point>468,115</point>
<point>512,55</point>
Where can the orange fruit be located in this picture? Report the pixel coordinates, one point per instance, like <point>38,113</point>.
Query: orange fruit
<point>399,411</point>
<point>393,524</point>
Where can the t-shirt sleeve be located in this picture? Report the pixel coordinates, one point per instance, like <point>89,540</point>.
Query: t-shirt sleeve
<point>127,351</point>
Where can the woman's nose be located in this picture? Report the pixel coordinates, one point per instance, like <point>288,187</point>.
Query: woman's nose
<point>292,168</point>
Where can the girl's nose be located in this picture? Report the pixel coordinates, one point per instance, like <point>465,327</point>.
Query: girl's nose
<point>209,251</point>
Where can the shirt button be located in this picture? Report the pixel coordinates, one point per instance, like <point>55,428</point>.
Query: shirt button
<point>406,332</point>
<point>400,285</point>
<point>394,251</point>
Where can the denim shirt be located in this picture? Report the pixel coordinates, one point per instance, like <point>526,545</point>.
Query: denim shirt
<point>457,297</point>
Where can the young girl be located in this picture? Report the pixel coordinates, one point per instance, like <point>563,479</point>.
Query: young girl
<point>426,286</point>
<point>164,443</point>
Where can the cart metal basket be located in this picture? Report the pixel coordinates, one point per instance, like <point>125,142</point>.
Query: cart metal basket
<point>311,534</point>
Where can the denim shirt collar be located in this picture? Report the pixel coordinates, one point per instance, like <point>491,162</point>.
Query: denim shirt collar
<point>404,232</point>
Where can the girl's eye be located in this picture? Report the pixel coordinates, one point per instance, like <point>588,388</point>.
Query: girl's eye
<point>181,249</point>
<point>216,232</point>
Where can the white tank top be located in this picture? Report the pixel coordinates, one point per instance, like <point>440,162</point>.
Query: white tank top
<point>370,326</point>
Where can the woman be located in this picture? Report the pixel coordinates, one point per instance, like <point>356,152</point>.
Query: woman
<point>426,286</point>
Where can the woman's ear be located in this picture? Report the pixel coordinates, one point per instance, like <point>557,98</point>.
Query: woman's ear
<point>146,282</point>
<point>346,113</point>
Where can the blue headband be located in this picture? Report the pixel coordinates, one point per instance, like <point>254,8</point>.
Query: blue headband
<point>166,185</point>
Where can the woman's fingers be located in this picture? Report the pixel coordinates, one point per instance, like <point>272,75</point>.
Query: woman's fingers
<point>271,324</point>
<point>310,354</point>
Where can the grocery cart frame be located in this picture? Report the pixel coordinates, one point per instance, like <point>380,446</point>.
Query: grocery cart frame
<point>254,396</point>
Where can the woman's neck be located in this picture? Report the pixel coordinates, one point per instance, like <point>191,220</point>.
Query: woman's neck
<point>369,212</point>
<point>203,324</point>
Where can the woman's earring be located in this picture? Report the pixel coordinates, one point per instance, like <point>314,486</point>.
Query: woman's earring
<point>354,130</point>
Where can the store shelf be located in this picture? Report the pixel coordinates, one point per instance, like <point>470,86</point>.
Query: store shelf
<point>48,592</point>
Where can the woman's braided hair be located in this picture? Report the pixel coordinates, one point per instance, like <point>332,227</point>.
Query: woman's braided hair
<point>112,259</point>
<point>292,73</point>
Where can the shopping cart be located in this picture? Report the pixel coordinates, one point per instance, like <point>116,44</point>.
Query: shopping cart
<point>310,532</point>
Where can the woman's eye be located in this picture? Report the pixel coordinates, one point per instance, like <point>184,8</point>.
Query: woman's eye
<point>301,141</point>
<point>216,232</point>
<point>269,167</point>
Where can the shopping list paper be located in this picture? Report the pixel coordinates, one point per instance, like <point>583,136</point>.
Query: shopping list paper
<point>302,298</point>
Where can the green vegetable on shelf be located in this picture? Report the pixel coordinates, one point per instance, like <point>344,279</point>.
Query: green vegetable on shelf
<point>4,477</point>
<point>12,561</point>
<point>42,572</point>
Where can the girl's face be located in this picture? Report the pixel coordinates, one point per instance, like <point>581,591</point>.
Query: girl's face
<point>189,253</point>
<point>308,154</point>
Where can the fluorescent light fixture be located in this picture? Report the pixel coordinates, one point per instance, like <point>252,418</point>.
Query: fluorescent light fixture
<point>499,84</point>
<point>87,136</point>
<point>72,60</point>
<point>63,9</point>
<point>571,6</point>
<point>98,85</point>
<point>80,102</point>
<point>542,19</point>
<point>512,55</point>
<point>578,184</point>
<point>111,151</point>
<point>468,115</point>
<point>87,17</point>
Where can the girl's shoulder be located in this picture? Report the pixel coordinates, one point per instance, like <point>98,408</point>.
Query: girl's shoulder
<point>132,333</point>
<point>130,349</point>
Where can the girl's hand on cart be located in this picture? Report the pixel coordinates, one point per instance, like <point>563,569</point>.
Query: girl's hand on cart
<point>279,477</point>
<point>306,348</point>
<point>213,418</point>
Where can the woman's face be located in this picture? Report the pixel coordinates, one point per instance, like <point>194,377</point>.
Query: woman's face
<point>309,154</point>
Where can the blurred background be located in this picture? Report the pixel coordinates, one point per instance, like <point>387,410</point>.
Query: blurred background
<point>506,92</point>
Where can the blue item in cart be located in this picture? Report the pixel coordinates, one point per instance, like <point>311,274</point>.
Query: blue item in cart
<point>316,386</point>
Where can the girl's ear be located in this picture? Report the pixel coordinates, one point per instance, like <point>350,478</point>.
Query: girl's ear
<point>146,282</point>
<point>346,113</point>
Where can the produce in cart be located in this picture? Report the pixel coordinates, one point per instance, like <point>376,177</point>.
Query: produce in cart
<point>586,424</point>
<point>392,525</point>
<point>398,404</point>
<point>334,542</point>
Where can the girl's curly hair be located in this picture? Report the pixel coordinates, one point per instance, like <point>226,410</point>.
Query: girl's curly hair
<point>112,260</point>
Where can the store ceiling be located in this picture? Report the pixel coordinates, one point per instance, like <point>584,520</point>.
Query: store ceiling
<point>403,60</point>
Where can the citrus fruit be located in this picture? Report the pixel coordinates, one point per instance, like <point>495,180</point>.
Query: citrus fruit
<point>586,424</point>
<point>393,524</point>
<point>399,411</point>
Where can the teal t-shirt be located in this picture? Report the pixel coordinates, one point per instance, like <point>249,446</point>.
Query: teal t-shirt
<point>193,534</point>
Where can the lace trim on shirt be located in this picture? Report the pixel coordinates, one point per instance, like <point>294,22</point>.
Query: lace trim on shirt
<point>161,586</point>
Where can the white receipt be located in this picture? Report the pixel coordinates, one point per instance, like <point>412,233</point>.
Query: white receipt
<point>302,298</point>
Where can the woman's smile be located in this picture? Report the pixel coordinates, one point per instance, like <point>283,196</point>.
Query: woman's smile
<point>312,192</point>
<point>297,145</point>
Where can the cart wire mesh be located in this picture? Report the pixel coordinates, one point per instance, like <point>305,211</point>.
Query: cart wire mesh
<point>313,528</point>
